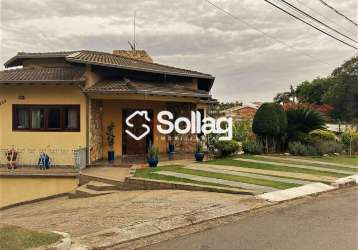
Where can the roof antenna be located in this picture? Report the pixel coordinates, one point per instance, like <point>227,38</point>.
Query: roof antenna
<point>134,43</point>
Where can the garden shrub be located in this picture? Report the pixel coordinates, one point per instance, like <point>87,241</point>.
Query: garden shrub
<point>297,148</point>
<point>242,130</point>
<point>322,134</point>
<point>226,148</point>
<point>350,140</point>
<point>270,124</point>
<point>252,147</point>
<point>302,120</point>
<point>328,147</point>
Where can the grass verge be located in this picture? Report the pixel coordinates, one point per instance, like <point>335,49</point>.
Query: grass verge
<point>289,160</point>
<point>341,159</point>
<point>17,238</point>
<point>231,162</point>
<point>151,173</point>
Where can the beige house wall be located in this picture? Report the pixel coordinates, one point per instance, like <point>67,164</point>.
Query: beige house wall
<point>20,189</point>
<point>40,140</point>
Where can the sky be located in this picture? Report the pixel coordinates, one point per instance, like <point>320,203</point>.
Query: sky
<point>191,34</point>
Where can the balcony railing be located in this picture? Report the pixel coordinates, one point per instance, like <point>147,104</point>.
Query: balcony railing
<point>29,157</point>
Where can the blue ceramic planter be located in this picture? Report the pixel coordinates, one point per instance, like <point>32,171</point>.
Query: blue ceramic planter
<point>111,156</point>
<point>199,156</point>
<point>153,162</point>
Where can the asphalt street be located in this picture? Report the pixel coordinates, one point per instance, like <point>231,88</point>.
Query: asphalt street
<point>329,221</point>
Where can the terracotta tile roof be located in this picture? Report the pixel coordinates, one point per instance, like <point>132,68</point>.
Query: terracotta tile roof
<point>125,85</point>
<point>108,60</point>
<point>17,60</point>
<point>117,61</point>
<point>43,75</point>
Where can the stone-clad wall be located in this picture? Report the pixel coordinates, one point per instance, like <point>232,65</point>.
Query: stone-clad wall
<point>96,131</point>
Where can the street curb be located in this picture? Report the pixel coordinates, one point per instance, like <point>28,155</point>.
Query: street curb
<point>296,192</point>
<point>62,244</point>
<point>346,181</point>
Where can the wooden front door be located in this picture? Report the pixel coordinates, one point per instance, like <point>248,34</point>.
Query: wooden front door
<point>130,145</point>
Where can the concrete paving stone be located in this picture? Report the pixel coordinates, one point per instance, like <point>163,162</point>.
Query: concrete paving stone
<point>308,161</point>
<point>292,193</point>
<point>127,232</point>
<point>214,181</point>
<point>301,176</point>
<point>257,176</point>
<point>294,166</point>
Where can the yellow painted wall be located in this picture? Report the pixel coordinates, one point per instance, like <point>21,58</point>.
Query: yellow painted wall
<point>36,94</point>
<point>20,189</point>
<point>112,112</point>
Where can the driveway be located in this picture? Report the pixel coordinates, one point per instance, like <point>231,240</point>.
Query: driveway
<point>89,215</point>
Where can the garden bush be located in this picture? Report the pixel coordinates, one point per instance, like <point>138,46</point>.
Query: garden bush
<point>252,147</point>
<point>242,130</point>
<point>322,134</point>
<point>297,148</point>
<point>302,120</point>
<point>270,124</point>
<point>226,148</point>
<point>350,140</point>
<point>328,147</point>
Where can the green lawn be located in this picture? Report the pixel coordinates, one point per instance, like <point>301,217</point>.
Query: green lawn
<point>283,159</point>
<point>341,159</point>
<point>231,162</point>
<point>151,174</point>
<point>17,238</point>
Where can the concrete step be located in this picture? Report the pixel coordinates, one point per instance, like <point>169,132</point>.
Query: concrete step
<point>101,186</point>
<point>84,192</point>
<point>86,178</point>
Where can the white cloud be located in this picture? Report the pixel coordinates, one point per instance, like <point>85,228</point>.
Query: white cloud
<point>189,34</point>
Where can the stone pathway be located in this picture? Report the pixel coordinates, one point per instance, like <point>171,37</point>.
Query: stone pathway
<point>295,166</point>
<point>238,173</point>
<point>260,189</point>
<point>308,161</point>
<point>301,176</point>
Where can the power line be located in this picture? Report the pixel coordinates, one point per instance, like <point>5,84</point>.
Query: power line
<point>338,12</point>
<point>316,20</point>
<point>265,34</point>
<point>300,19</point>
<point>324,17</point>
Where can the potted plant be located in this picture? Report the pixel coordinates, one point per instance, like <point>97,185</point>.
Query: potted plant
<point>152,156</point>
<point>110,141</point>
<point>199,154</point>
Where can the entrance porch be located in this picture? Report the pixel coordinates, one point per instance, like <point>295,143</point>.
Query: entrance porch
<point>129,151</point>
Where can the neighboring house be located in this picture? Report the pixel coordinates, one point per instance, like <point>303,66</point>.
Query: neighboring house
<point>244,112</point>
<point>66,100</point>
<point>338,128</point>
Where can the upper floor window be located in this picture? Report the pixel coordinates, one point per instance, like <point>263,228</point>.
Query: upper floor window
<point>46,117</point>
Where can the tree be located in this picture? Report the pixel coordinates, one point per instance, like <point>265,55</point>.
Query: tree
<point>339,90</point>
<point>343,94</point>
<point>270,124</point>
<point>286,97</point>
<point>283,97</point>
<point>313,92</point>
<point>302,120</point>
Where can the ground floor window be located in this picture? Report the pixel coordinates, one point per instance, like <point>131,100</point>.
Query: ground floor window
<point>46,117</point>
